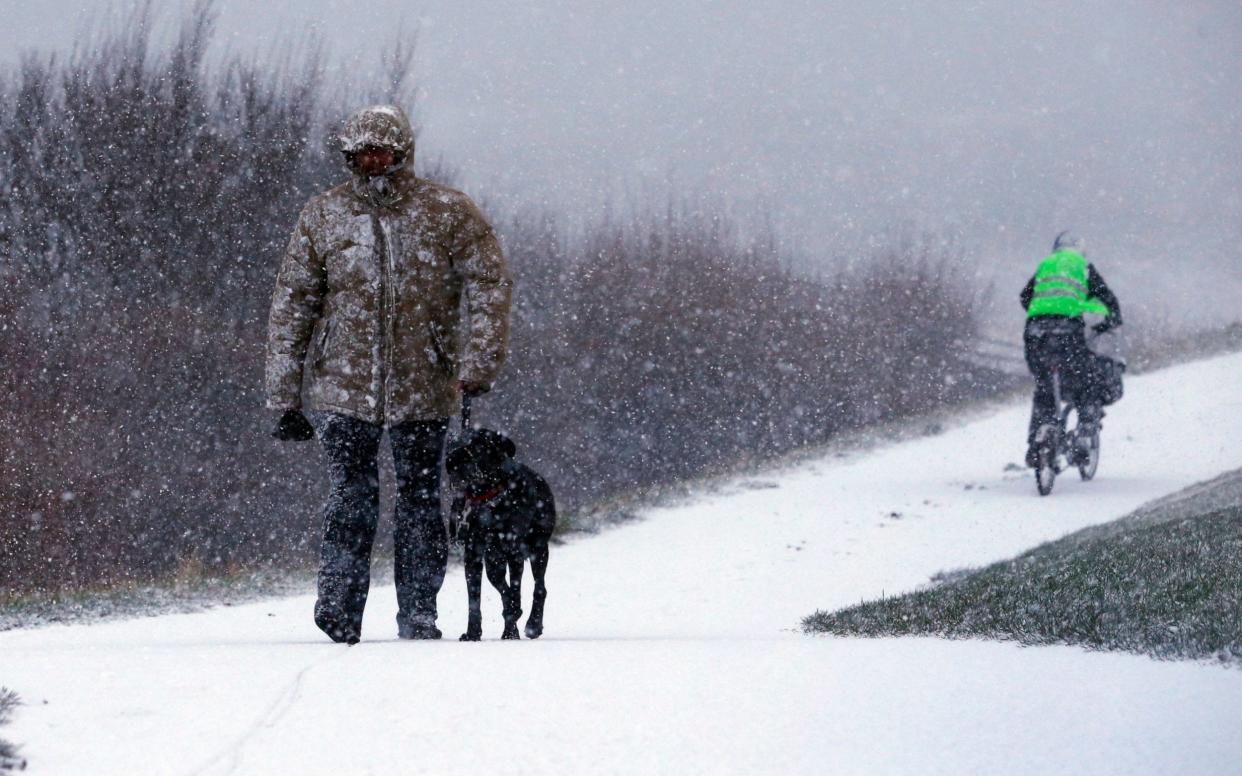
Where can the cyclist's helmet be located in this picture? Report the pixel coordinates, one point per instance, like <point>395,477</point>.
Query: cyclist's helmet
<point>1068,241</point>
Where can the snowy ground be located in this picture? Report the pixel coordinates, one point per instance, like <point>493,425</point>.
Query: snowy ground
<point>672,643</point>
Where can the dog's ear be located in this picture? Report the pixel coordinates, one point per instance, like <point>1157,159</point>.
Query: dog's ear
<point>497,442</point>
<point>462,456</point>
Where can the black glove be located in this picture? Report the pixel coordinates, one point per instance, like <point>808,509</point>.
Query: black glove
<point>473,389</point>
<point>293,427</point>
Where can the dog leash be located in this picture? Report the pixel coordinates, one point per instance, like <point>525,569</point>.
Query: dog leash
<point>455,518</point>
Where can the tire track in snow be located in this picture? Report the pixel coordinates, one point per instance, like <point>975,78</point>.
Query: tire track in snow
<point>274,712</point>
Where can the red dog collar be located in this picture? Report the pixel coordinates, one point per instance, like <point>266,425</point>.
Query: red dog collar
<point>485,496</point>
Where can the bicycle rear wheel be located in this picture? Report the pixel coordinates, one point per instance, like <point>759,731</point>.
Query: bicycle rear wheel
<point>1046,472</point>
<point>1048,440</point>
<point>1087,467</point>
<point>1044,477</point>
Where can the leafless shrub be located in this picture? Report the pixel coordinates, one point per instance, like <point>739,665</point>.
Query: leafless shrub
<point>145,201</point>
<point>9,759</point>
<point>661,347</point>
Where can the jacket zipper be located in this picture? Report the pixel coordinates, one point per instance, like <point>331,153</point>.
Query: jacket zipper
<point>382,250</point>
<point>390,306</point>
<point>321,344</point>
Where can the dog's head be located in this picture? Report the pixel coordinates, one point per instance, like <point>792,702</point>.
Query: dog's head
<point>480,461</point>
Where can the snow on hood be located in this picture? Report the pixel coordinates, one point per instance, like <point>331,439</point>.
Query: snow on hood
<point>385,126</point>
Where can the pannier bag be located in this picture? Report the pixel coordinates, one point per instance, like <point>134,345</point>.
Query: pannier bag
<point>1110,371</point>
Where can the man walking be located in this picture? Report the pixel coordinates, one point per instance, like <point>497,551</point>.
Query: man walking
<point>368,302</point>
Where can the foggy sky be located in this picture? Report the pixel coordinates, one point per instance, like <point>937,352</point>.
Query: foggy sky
<point>994,123</point>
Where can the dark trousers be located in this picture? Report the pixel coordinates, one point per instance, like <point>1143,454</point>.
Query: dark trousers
<point>420,545</point>
<point>1051,342</point>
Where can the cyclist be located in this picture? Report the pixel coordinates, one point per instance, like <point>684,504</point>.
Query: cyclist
<point>1064,287</point>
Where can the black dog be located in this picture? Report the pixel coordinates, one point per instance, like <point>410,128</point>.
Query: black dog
<point>503,515</point>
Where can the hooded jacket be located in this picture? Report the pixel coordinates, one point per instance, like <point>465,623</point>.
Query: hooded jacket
<point>369,294</point>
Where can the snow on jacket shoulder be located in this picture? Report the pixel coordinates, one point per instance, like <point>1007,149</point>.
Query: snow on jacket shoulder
<point>368,297</point>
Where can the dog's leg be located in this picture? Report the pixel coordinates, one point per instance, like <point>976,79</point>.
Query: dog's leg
<point>538,567</point>
<point>473,561</point>
<point>496,570</point>
<point>514,609</point>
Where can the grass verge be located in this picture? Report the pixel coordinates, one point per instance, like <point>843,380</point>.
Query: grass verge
<point>1165,581</point>
<point>180,594</point>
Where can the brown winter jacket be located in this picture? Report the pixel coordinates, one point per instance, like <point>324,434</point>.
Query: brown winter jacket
<point>368,297</point>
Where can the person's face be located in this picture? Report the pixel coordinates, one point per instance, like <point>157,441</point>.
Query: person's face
<point>372,160</point>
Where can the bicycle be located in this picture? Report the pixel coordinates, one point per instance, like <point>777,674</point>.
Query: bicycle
<point>1078,447</point>
<point>1059,447</point>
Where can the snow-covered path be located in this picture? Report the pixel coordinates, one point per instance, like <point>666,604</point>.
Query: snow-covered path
<point>672,643</point>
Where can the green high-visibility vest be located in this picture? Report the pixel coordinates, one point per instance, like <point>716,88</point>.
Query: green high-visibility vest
<point>1061,288</point>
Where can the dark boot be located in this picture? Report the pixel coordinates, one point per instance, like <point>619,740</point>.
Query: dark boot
<point>419,629</point>
<point>338,628</point>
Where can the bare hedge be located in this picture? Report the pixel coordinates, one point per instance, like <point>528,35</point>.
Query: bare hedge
<point>144,201</point>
